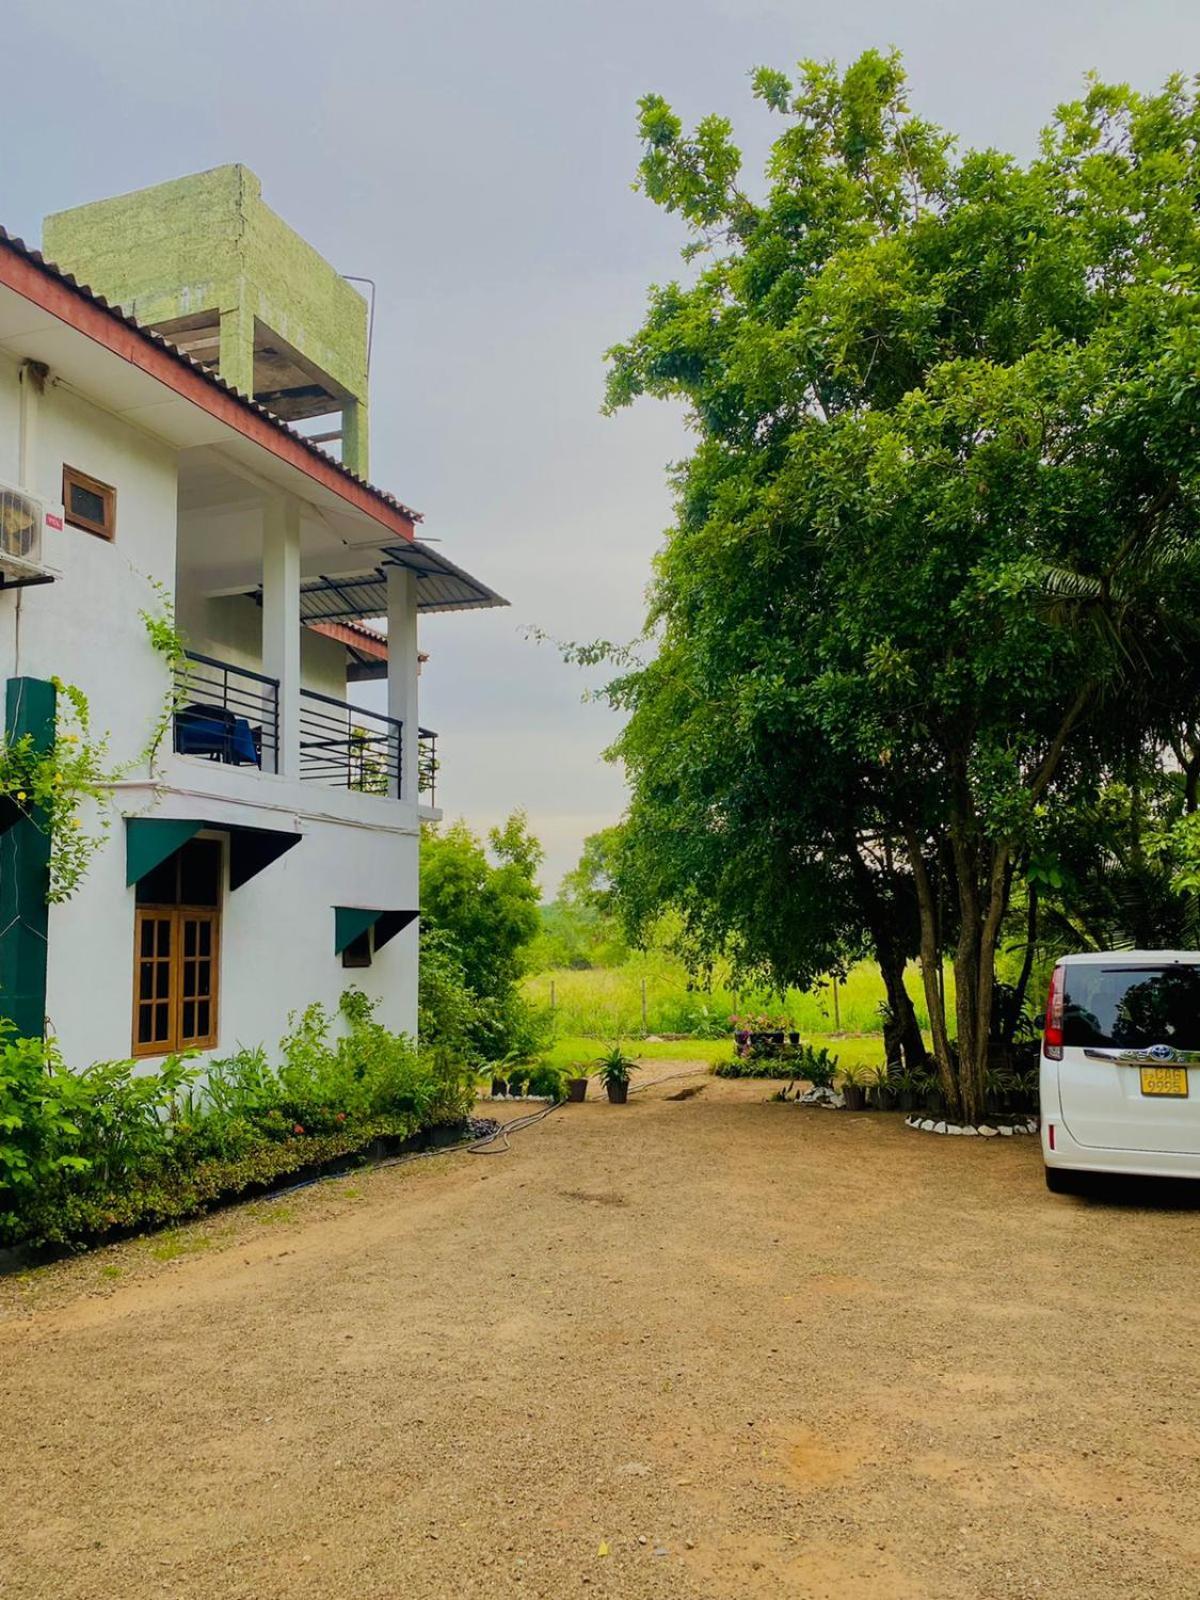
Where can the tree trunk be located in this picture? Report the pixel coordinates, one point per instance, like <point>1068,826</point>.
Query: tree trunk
<point>931,961</point>
<point>902,1039</point>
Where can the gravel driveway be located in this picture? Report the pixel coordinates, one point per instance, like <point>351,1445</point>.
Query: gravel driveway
<point>711,1347</point>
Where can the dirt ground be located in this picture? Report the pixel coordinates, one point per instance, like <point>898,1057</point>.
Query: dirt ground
<point>713,1347</point>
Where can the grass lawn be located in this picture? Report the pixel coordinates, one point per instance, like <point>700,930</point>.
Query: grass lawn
<point>606,1002</point>
<point>852,1049</point>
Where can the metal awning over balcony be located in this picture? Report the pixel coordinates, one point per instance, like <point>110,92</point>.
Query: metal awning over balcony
<point>441,586</point>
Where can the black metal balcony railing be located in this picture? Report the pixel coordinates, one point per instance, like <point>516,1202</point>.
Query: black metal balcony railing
<point>226,713</point>
<point>231,714</point>
<point>427,764</point>
<point>347,746</point>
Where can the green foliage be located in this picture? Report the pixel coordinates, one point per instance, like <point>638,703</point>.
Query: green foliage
<point>55,788</point>
<point>118,1145</point>
<point>51,788</point>
<point>40,1133</point>
<point>479,915</point>
<point>166,641</point>
<point>548,1080</point>
<point>814,1063</point>
<point>933,581</point>
<point>614,1066</point>
<point>605,1002</point>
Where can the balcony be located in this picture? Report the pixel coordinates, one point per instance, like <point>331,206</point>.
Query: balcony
<point>348,747</point>
<point>230,714</point>
<point>226,713</point>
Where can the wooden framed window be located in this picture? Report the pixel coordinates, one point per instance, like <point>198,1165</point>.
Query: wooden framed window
<point>89,504</point>
<point>177,950</point>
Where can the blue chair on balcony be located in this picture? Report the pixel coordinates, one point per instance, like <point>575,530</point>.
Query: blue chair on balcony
<point>215,732</point>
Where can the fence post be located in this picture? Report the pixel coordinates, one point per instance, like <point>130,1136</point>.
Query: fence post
<point>644,1027</point>
<point>552,994</point>
<point>837,1013</point>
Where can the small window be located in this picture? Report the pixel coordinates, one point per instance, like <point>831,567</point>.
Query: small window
<point>358,952</point>
<point>89,504</point>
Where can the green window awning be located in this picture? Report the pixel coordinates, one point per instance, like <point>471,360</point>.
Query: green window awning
<point>150,840</point>
<point>351,922</point>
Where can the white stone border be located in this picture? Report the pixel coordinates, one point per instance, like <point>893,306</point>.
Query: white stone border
<point>983,1130</point>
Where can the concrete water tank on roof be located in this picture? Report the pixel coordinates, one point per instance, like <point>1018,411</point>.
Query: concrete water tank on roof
<point>203,261</point>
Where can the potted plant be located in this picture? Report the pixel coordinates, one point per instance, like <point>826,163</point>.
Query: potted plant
<point>547,1082</point>
<point>614,1067</point>
<point>880,1083</point>
<point>817,1065</point>
<point>498,1072</point>
<point>930,1089</point>
<point>577,1081</point>
<point>853,1089</point>
<point>518,1077</point>
<point>908,1087</point>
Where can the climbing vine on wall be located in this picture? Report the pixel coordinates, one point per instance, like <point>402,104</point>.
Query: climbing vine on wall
<point>166,639</point>
<point>53,788</point>
<point>50,787</point>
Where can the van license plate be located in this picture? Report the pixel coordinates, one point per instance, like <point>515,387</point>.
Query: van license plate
<point>1165,1080</point>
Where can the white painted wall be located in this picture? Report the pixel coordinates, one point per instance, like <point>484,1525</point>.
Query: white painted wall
<point>278,930</point>
<point>230,628</point>
<point>9,473</point>
<point>86,628</point>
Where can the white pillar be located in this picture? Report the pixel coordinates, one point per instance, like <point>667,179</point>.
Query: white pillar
<point>32,380</point>
<point>402,671</point>
<point>281,623</point>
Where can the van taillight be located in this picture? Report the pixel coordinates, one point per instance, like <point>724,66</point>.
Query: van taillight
<point>1052,1038</point>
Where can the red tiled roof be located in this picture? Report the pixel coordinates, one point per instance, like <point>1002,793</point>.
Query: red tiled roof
<point>322,464</point>
<point>349,631</point>
<point>368,641</point>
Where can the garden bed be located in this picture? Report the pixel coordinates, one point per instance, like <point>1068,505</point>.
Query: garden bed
<point>212,1185</point>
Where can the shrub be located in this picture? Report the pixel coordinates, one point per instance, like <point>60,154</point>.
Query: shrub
<point>117,1145</point>
<point>546,1079</point>
<point>814,1063</point>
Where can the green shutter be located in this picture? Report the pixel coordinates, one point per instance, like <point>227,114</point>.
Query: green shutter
<point>30,707</point>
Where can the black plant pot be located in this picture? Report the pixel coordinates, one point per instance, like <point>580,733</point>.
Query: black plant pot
<point>794,1040</point>
<point>618,1093</point>
<point>906,1100</point>
<point>516,1086</point>
<point>499,1086</point>
<point>577,1089</point>
<point>855,1096</point>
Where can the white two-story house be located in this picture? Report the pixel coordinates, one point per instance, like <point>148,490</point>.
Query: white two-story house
<point>270,841</point>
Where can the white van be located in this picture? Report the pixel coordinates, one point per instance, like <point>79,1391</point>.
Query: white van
<point>1120,1076</point>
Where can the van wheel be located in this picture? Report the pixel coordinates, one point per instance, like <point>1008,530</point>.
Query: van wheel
<point>1060,1181</point>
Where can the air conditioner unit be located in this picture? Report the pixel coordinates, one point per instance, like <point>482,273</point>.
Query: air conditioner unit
<point>22,519</point>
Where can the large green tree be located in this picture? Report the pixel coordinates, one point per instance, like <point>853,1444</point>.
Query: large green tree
<point>933,561</point>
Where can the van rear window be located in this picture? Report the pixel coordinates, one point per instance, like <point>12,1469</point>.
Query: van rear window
<point>1132,1007</point>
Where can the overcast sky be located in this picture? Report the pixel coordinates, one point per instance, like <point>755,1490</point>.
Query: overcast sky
<point>475,160</point>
